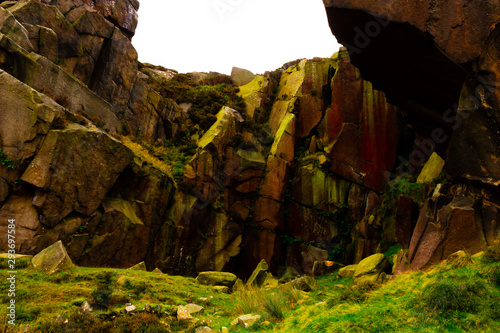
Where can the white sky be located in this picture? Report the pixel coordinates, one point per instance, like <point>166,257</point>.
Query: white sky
<point>215,35</point>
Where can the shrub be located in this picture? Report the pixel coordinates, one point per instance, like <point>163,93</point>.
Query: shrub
<point>446,297</point>
<point>102,295</point>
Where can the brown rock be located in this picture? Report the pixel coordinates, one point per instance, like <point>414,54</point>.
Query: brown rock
<point>69,167</point>
<point>405,220</point>
<point>241,76</point>
<point>4,190</point>
<point>20,208</point>
<point>302,257</point>
<point>10,27</point>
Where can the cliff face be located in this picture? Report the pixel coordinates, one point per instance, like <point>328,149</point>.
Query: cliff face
<point>127,162</point>
<point>437,61</point>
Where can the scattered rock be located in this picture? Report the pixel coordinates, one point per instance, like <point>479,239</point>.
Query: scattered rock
<point>183,313</point>
<point>157,271</point>
<point>59,319</point>
<point>130,308</point>
<point>348,270</point>
<point>222,289</point>
<point>193,308</point>
<point>139,267</point>
<point>224,330</point>
<point>86,307</point>
<point>248,320</point>
<point>259,275</point>
<point>203,329</point>
<point>53,259</point>
<point>305,283</point>
<point>217,278</point>
<point>370,268</point>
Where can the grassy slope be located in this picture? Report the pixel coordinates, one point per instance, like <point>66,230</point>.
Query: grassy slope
<point>450,298</point>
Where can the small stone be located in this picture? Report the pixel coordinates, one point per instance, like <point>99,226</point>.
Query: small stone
<point>203,329</point>
<point>130,308</point>
<point>139,267</point>
<point>86,306</point>
<point>248,320</point>
<point>183,313</point>
<point>59,319</point>
<point>148,308</point>
<point>157,271</point>
<point>193,308</point>
<point>224,330</point>
<point>222,289</point>
<point>26,328</point>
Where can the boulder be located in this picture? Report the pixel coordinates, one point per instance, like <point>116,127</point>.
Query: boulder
<point>248,320</point>
<point>53,259</point>
<point>348,270</point>
<point>241,76</point>
<point>370,268</point>
<point>139,267</point>
<point>68,168</point>
<point>183,313</point>
<point>193,308</point>
<point>259,275</point>
<point>304,283</point>
<point>217,278</point>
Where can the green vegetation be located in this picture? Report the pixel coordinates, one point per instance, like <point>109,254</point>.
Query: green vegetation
<point>448,298</point>
<point>5,161</point>
<point>170,159</point>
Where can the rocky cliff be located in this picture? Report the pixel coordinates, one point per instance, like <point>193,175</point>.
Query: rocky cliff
<point>128,162</point>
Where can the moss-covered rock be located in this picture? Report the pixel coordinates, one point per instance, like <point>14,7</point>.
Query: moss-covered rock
<point>432,169</point>
<point>53,259</point>
<point>217,279</point>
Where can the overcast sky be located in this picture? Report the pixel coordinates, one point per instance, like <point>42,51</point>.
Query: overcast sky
<point>215,35</point>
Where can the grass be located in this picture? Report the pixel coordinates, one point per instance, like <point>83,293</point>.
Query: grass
<point>447,298</point>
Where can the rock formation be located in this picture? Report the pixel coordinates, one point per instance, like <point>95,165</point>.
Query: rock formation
<point>126,162</point>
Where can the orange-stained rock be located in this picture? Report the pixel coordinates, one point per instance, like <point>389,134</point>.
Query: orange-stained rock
<point>360,151</point>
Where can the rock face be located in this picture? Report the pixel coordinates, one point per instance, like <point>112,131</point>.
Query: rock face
<point>126,162</point>
<point>415,53</point>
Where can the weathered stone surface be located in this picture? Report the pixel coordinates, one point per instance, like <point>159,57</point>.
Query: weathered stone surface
<point>222,242</point>
<point>139,267</point>
<point>406,217</point>
<point>371,265</point>
<point>432,169</point>
<point>284,140</point>
<point>129,230</point>
<point>183,313</point>
<point>217,278</point>
<point>25,114</point>
<point>123,12</point>
<point>241,76</point>
<point>259,275</point>
<point>194,308</point>
<point>222,132</point>
<point>348,270</point>
<point>301,257</point>
<point>358,150</point>
<point>20,208</point>
<point>203,329</point>
<point>14,30</point>
<point>69,169</point>
<point>53,259</point>
<point>439,234</point>
<point>248,320</point>
<point>304,283</point>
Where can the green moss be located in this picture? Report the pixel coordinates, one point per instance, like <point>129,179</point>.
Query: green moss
<point>5,161</point>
